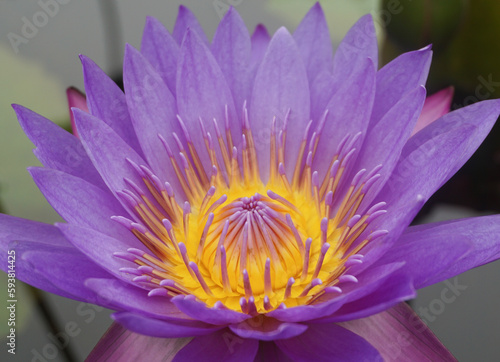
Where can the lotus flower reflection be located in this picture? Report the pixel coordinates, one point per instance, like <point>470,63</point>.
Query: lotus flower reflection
<point>255,186</point>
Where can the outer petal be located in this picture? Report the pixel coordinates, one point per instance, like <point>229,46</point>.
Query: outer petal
<point>134,347</point>
<point>66,268</point>
<point>267,329</point>
<point>221,346</point>
<point>80,202</point>
<point>78,100</point>
<point>436,105</point>
<point>98,247</point>
<point>202,92</point>
<point>130,298</point>
<point>428,255</point>
<point>25,271</point>
<point>153,111</point>
<point>161,50</point>
<point>106,101</point>
<point>15,228</point>
<point>428,160</point>
<point>107,151</point>
<point>482,233</point>
<point>199,311</point>
<point>57,148</point>
<point>432,156</point>
<point>396,78</point>
<point>399,334</point>
<point>280,85</point>
<point>160,328</point>
<point>260,42</point>
<point>358,93</point>
<point>231,48</point>
<point>186,20</point>
<point>386,139</point>
<point>359,44</point>
<point>16,232</point>
<point>323,341</point>
<point>313,39</point>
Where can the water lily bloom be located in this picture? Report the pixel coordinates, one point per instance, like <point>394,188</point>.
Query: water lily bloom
<point>254,187</point>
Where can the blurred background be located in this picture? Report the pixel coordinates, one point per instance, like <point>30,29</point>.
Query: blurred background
<point>40,61</point>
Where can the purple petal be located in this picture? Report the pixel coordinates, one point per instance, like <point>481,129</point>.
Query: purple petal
<point>25,271</point>
<point>280,85</point>
<point>269,351</point>
<point>202,91</point>
<point>15,228</point>
<point>219,346</point>
<point>186,20</point>
<point>120,344</point>
<point>99,248</point>
<point>358,93</point>
<point>18,235</point>
<point>428,160</point>
<point>387,138</point>
<point>130,298</point>
<point>323,342</point>
<point>436,105</point>
<point>482,233</point>
<point>433,155</point>
<point>398,77</point>
<point>369,281</point>
<point>80,202</point>
<point>162,329</point>
<point>395,289</point>
<point>199,311</point>
<point>57,148</point>
<point>359,44</point>
<point>267,329</point>
<point>321,93</point>
<point>427,255</point>
<point>108,152</point>
<point>313,39</point>
<point>161,50</point>
<point>260,41</point>
<point>399,334</point>
<point>66,269</point>
<point>106,101</point>
<point>482,115</point>
<point>153,112</point>
<point>231,48</point>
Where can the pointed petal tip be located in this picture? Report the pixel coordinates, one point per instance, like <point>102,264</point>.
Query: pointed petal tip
<point>282,31</point>
<point>18,108</point>
<point>426,48</point>
<point>84,59</point>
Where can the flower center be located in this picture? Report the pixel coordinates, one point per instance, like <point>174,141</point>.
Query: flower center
<point>236,241</point>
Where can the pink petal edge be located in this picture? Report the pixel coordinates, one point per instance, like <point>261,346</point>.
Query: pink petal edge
<point>76,99</point>
<point>436,105</point>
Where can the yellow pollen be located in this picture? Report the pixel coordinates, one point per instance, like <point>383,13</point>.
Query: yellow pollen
<point>249,245</point>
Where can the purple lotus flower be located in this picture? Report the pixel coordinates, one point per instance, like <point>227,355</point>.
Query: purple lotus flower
<point>252,187</point>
